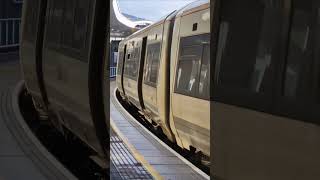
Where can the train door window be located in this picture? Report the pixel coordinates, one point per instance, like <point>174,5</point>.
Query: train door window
<point>81,24</point>
<point>120,63</point>
<point>136,63</point>
<point>152,64</point>
<point>68,23</point>
<point>131,64</point>
<point>247,49</point>
<point>127,63</point>
<point>193,66</point>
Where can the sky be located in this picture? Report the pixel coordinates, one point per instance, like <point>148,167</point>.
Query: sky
<point>151,10</point>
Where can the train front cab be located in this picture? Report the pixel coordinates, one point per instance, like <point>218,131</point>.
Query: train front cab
<point>266,93</point>
<point>190,54</point>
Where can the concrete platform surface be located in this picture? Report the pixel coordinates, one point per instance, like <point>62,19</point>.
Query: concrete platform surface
<point>159,159</point>
<point>22,156</point>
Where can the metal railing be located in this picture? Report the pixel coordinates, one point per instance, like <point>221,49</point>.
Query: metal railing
<point>9,32</point>
<point>113,72</point>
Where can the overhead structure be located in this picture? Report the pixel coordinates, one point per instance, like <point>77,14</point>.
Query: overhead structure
<point>122,25</point>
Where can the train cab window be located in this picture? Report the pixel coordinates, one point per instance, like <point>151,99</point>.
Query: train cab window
<point>247,49</point>
<point>192,75</point>
<point>152,64</point>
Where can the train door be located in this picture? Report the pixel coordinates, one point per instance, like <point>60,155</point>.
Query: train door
<point>266,109</point>
<point>190,101</point>
<point>31,48</point>
<point>120,63</point>
<point>140,76</point>
<point>131,72</point>
<point>122,68</point>
<point>151,71</point>
<point>69,66</point>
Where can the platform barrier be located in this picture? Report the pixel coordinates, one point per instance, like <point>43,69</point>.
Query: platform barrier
<point>9,32</point>
<point>113,72</point>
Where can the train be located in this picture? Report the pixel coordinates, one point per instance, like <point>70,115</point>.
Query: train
<point>255,90</point>
<point>163,70</point>
<point>64,65</point>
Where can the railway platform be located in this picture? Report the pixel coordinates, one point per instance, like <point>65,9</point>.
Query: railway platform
<point>155,156</point>
<point>22,156</point>
<point>135,152</point>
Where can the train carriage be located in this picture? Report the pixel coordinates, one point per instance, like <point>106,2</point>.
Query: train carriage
<point>182,117</point>
<point>64,66</point>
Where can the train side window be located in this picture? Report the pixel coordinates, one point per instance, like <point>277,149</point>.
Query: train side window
<point>188,70</point>
<point>302,68</point>
<point>68,23</point>
<point>55,20</point>
<point>152,64</point>
<point>248,47</point>
<point>31,19</point>
<point>81,24</point>
<point>203,91</point>
<point>298,97</point>
<point>192,75</point>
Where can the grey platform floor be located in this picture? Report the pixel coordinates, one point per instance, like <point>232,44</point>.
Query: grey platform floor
<point>20,156</point>
<point>167,164</point>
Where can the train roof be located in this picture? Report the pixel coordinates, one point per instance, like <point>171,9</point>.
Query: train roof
<point>188,9</point>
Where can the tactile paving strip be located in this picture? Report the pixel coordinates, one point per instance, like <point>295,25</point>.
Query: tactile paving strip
<point>125,164</point>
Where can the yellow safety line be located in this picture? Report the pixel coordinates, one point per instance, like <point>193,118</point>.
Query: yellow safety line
<point>136,153</point>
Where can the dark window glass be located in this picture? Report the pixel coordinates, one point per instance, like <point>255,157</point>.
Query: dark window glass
<point>193,72</point>
<point>135,63</point>
<point>205,73</point>
<point>68,23</point>
<point>54,29</point>
<point>188,69</point>
<point>132,63</point>
<point>80,24</point>
<point>247,44</point>
<point>126,64</point>
<point>30,28</point>
<point>302,69</point>
<point>152,64</point>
